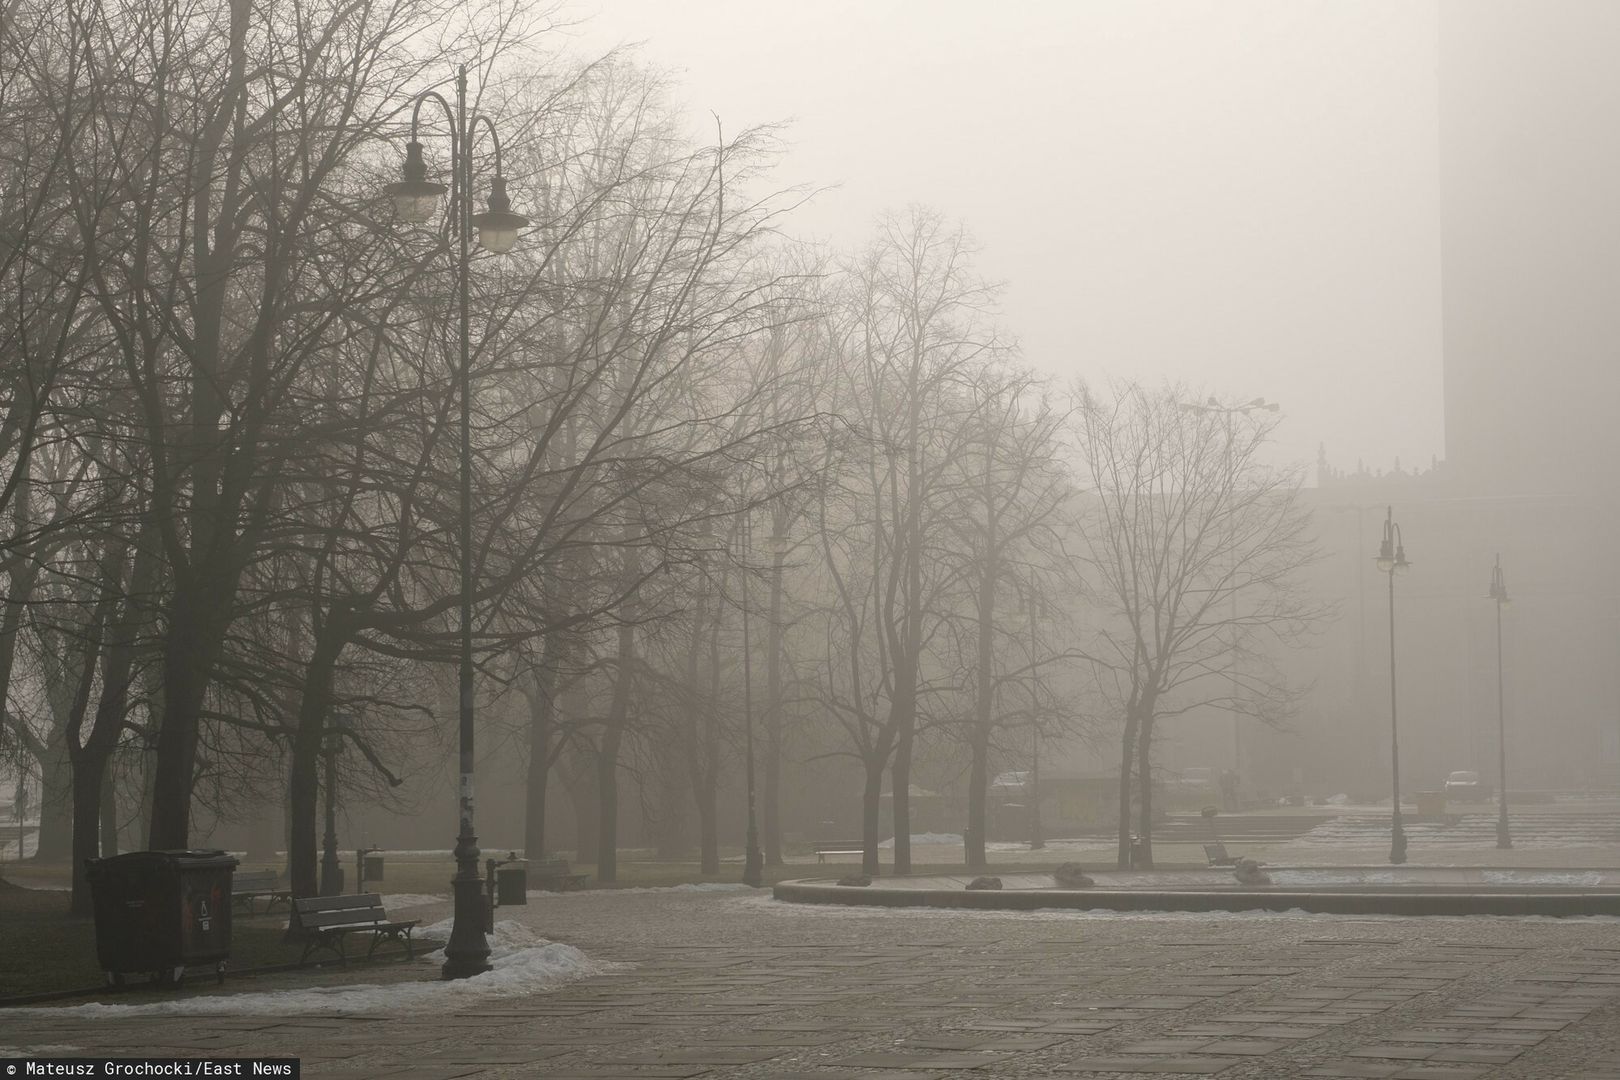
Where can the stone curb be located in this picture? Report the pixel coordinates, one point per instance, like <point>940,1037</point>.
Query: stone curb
<point>1563,903</point>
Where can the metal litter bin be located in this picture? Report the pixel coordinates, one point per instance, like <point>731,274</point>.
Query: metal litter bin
<point>374,868</point>
<point>512,884</point>
<point>159,912</point>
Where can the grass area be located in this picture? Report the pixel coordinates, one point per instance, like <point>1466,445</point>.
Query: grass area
<point>48,950</point>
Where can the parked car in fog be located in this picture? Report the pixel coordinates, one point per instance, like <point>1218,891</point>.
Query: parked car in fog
<point>1464,784</point>
<point>1195,778</point>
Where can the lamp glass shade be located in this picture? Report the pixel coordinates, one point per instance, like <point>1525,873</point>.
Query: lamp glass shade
<point>416,201</point>
<point>1402,566</point>
<point>498,229</point>
<point>1386,563</point>
<point>1505,602</point>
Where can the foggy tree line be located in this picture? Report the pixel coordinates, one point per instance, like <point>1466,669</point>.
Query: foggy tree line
<point>720,477</point>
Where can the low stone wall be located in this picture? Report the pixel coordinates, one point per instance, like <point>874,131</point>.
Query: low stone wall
<point>1413,900</point>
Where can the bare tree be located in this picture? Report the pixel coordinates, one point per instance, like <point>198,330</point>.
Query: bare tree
<point>1193,546</point>
<point>1012,485</point>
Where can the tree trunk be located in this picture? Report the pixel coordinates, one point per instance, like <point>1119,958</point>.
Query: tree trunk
<point>978,786</point>
<point>871,805</point>
<point>1144,772</point>
<point>109,809</point>
<point>900,773</point>
<point>542,721</point>
<point>309,740</point>
<point>87,790</point>
<point>708,830</point>
<point>189,650</point>
<point>1126,760</point>
<point>702,739</point>
<point>55,840</point>
<point>582,793</point>
<point>771,812</point>
<point>607,759</point>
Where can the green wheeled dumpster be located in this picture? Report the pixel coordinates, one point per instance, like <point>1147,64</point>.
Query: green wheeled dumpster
<point>512,883</point>
<point>160,912</point>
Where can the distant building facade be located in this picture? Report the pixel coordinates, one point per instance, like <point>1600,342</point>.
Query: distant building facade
<point>1529,122</point>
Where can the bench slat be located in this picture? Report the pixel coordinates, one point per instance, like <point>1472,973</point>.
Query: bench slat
<point>350,917</point>
<point>314,904</point>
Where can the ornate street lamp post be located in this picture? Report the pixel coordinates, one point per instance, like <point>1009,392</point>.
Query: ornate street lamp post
<point>1499,593</point>
<point>1036,605</point>
<point>1391,560</point>
<point>415,199</point>
<point>331,865</point>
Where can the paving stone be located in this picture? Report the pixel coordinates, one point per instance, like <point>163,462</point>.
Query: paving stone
<point>1150,1065</point>
<point>694,1057</point>
<point>1248,1047</point>
<point>1162,1046</point>
<point>1395,1053</point>
<point>1476,1054</point>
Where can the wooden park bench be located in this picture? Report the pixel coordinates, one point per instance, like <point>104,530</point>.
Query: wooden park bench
<point>838,847</point>
<point>325,922</point>
<point>248,887</point>
<point>1218,856</point>
<point>553,874</point>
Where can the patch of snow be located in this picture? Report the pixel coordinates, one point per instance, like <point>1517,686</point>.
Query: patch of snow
<point>1102,843</point>
<point>697,887</point>
<point>524,963</point>
<point>401,901</point>
<point>926,838</point>
<point>1341,877</point>
<point>1541,877</point>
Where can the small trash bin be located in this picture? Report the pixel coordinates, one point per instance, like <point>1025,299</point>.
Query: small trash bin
<point>374,868</point>
<point>159,912</point>
<point>512,884</point>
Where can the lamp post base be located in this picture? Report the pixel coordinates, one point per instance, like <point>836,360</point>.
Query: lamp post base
<point>331,874</point>
<point>1397,842</point>
<point>467,953</point>
<point>1504,839</point>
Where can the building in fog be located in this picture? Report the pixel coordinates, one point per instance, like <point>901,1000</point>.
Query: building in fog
<point>1529,100</point>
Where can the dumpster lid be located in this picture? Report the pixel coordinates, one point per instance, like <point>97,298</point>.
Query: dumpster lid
<point>187,858</point>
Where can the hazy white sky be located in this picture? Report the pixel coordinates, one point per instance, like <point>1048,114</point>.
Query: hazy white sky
<point>1239,193</point>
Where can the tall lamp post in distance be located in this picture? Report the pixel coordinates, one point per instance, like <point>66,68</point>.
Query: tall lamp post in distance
<point>1037,607</point>
<point>1391,560</point>
<point>1499,593</point>
<point>415,200</point>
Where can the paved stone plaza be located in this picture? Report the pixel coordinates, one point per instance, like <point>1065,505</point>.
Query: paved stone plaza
<point>733,984</point>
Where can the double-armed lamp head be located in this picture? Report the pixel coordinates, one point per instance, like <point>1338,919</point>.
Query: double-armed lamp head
<point>416,198</point>
<point>1499,591</point>
<point>1213,405</point>
<point>1391,557</point>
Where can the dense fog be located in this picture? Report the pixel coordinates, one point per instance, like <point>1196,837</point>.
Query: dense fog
<point>1210,408</point>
